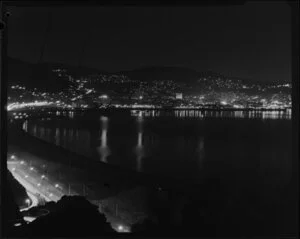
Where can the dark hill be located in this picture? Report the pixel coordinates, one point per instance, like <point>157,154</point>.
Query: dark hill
<point>177,74</point>
<point>41,75</point>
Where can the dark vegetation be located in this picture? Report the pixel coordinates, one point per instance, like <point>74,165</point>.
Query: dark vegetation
<point>10,211</point>
<point>213,213</point>
<point>18,191</point>
<point>71,216</point>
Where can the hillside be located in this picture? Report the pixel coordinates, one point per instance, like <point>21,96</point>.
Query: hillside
<point>41,76</point>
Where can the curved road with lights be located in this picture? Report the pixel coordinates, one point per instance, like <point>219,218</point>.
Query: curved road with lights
<point>32,180</point>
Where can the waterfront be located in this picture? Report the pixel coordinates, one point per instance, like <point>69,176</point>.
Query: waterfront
<point>252,150</point>
<point>245,161</point>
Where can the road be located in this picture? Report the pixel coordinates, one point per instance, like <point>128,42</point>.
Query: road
<point>32,175</point>
<point>35,182</point>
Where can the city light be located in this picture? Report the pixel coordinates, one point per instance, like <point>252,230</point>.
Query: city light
<point>56,185</point>
<point>26,176</point>
<point>159,94</point>
<point>31,168</point>
<point>24,105</point>
<point>120,228</point>
<point>43,176</point>
<point>13,157</point>
<point>13,169</point>
<point>89,91</point>
<point>22,162</point>
<point>103,96</point>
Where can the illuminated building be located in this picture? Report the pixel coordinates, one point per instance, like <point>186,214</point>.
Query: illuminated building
<point>178,96</point>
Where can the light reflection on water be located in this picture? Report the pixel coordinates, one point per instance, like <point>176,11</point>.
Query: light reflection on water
<point>103,149</point>
<point>252,114</point>
<point>169,145</point>
<point>251,154</point>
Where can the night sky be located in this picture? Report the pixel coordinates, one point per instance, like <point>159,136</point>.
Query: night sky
<point>251,41</point>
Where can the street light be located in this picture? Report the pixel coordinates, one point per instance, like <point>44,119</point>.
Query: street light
<point>120,228</point>
<point>28,202</point>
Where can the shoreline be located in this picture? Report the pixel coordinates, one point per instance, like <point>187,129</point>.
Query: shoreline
<point>123,178</point>
<point>155,108</point>
<point>114,185</point>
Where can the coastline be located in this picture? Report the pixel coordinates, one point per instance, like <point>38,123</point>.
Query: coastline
<point>131,190</point>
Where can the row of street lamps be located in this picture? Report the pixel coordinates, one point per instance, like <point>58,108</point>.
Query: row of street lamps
<point>13,157</point>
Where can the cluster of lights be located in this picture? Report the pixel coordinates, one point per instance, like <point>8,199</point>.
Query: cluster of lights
<point>161,92</point>
<point>103,97</point>
<point>281,85</point>
<point>18,87</point>
<point>15,106</point>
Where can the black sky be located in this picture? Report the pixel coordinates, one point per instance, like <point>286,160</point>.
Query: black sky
<point>250,41</point>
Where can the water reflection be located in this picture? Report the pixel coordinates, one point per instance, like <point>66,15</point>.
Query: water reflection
<point>200,152</point>
<point>57,136</point>
<point>186,148</point>
<point>65,139</point>
<point>71,133</point>
<point>103,149</point>
<point>71,114</point>
<point>34,130</point>
<point>25,125</point>
<point>139,149</point>
<point>42,132</point>
<point>77,135</point>
<point>239,114</point>
<point>139,152</point>
<point>252,114</point>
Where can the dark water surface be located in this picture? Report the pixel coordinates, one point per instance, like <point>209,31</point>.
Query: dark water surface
<point>250,155</point>
<point>181,147</point>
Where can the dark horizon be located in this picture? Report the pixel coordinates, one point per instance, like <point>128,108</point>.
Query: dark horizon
<point>251,41</point>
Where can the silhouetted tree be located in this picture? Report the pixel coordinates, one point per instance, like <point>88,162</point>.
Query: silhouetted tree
<point>9,208</point>
<point>71,216</point>
<point>18,191</point>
